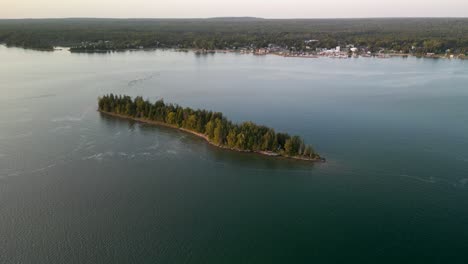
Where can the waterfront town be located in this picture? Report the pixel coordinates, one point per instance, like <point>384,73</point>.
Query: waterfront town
<point>310,49</point>
<point>339,52</point>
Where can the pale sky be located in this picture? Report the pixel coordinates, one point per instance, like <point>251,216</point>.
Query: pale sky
<point>219,8</point>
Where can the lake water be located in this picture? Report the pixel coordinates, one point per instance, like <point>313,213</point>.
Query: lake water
<point>78,187</point>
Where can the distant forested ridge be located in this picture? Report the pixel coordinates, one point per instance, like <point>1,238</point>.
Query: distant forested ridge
<point>406,35</point>
<point>212,126</point>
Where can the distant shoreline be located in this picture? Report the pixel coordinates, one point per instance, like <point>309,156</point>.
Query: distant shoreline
<point>224,51</point>
<point>284,55</point>
<point>432,37</point>
<point>200,135</point>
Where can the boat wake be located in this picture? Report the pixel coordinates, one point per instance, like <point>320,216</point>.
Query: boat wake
<point>138,81</point>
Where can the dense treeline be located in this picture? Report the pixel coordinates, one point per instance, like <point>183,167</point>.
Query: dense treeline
<point>416,35</point>
<point>218,130</point>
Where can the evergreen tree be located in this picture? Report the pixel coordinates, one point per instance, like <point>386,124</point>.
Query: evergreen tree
<point>209,129</point>
<point>232,138</point>
<point>218,132</point>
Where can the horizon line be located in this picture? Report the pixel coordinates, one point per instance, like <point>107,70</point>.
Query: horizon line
<point>237,17</point>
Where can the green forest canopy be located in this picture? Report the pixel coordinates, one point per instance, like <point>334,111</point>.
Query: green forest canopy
<point>246,136</point>
<point>399,34</point>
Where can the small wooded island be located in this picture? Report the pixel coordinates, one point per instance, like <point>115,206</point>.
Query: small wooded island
<point>212,126</point>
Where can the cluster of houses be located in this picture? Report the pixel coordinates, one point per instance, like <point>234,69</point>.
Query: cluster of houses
<point>334,53</point>
<point>341,52</point>
<point>100,44</point>
<point>337,52</point>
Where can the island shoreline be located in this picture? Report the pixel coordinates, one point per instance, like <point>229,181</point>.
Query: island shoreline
<point>203,136</point>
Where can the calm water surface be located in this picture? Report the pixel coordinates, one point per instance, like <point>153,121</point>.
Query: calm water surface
<point>78,187</point>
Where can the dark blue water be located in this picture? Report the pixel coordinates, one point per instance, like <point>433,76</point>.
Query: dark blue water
<point>78,187</point>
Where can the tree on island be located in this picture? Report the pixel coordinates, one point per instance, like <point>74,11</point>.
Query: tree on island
<point>246,136</point>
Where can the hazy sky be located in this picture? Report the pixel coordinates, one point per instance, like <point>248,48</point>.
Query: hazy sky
<point>216,8</point>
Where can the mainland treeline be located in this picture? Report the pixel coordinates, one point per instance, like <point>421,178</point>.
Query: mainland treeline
<point>408,35</point>
<point>214,126</point>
